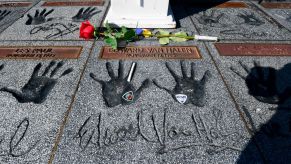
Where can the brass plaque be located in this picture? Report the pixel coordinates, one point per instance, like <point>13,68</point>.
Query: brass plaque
<point>253,49</point>
<point>272,5</point>
<point>40,52</point>
<point>218,4</point>
<point>78,3</point>
<point>15,4</point>
<point>151,53</point>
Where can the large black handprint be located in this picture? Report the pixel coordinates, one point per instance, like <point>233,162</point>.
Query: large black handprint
<point>187,89</point>
<point>250,19</point>
<point>3,14</point>
<point>261,82</point>
<point>38,87</point>
<point>39,17</point>
<point>118,90</point>
<point>84,15</point>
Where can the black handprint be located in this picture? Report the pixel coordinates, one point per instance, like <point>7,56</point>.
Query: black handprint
<point>250,19</point>
<point>38,87</point>
<point>118,90</point>
<point>3,14</point>
<point>187,89</point>
<point>261,82</point>
<point>39,18</point>
<point>84,15</point>
<point>211,20</point>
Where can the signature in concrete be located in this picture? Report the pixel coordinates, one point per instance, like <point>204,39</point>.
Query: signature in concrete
<point>55,30</point>
<point>14,149</point>
<point>38,86</point>
<point>118,90</point>
<point>3,14</point>
<point>166,136</point>
<point>188,89</point>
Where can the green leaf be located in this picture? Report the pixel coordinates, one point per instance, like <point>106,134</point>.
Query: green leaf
<point>163,32</point>
<point>112,42</point>
<point>118,35</point>
<point>178,39</point>
<point>123,29</point>
<point>164,41</point>
<point>181,33</point>
<point>108,28</point>
<point>129,35</point>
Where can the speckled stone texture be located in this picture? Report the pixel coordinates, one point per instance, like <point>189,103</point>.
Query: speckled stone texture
<point>28,130</point>
<point>156,128</point>
<point>57,25</point>
<point>235,24</point>
<point>261,114</point>
<point>11,14</point>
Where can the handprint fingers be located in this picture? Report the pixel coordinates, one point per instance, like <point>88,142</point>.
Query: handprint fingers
<point>57,68</point>
<point>193,70</point>
<point>66,72</point>
<point>52,63</point>
<point>36,70</point>
<point>120,70</point>
<point>1,66</point>
<point>176,77</point>
<point>183,69</point>
<point>93,76</point>
<point>84,14</point>
<point>36,13</point>
<point>110,70</point>
<point>49,12</point>
<point>205,77</point>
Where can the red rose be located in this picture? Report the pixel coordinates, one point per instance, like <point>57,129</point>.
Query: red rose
<point>87,30</point>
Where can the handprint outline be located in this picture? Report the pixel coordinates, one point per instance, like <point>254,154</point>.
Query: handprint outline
<point>3,14</point>
<point>84,15</point>
<point>194,91</point>
<point>39,17</point>
<point>211,19</point>
<point>38,86</point>
<point>118,90</point>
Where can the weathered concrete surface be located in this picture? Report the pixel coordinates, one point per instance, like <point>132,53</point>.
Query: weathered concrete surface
<point>28,129</point>
<point>235,24</point>
<point>268,117</point>
<point>156,128</point>
<point>58,23</point>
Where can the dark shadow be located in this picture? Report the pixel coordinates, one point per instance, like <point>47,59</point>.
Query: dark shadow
<point>271,86</point>
<point>188,5</point>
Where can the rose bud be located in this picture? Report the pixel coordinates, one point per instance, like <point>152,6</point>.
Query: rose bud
<point>87,30</point>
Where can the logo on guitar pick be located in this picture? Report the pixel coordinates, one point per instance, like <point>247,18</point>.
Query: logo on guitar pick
<point>181,98</point>
<point>128,96</point>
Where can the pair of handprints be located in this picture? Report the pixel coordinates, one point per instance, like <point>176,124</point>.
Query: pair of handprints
<point>214,20</point>
<point>187,89</point>
<point>58,29</point>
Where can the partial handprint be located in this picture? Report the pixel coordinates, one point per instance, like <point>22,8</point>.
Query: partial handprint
<point>84,15</point>
<point>261,82</point>
<point>250,19</point>
<point>118,90</point>
<point>211,20</point>
<point>187,89</point>
<point>38,86</point>
<point>3,14</point>
<point>39,18</point>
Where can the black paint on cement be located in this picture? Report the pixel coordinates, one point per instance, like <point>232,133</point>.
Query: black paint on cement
<point>115,90</point>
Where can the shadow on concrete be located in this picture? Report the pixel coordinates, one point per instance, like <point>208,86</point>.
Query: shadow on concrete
<point>270,86</point>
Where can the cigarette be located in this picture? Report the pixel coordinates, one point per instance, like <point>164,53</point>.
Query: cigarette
<point>207,38</point>
<point>131,72</point>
